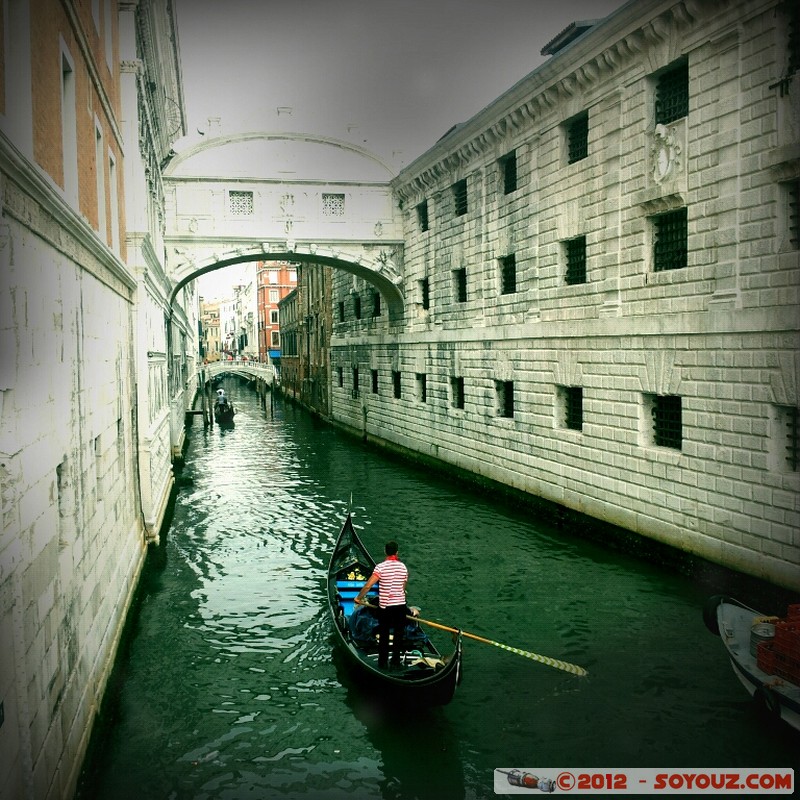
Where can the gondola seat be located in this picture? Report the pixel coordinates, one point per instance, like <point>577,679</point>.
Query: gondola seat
<point>347,591</point>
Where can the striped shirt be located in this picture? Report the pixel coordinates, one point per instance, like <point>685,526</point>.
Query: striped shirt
<point>392,575</point>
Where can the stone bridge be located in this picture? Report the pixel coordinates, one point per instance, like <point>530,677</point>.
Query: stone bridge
<point>282,197</point>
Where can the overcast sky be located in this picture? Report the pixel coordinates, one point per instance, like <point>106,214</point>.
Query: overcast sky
<point>401,72</point>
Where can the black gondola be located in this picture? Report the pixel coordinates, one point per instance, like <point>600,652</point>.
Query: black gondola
<point>224,411</point>
<point>425,677</point>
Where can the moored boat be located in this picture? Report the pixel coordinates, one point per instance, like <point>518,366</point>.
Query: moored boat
<point>764,652</point>
<point>224,411</point>
<point>425,676</point>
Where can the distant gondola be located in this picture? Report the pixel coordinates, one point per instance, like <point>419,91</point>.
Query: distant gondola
<point>224,411</point>
<point>425,677</point>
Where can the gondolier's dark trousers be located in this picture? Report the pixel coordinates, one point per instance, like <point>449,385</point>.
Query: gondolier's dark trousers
<point>391,618</point>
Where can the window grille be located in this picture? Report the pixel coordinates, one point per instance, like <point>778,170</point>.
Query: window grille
<point>357,307</point>
<point>573,407</point>
<point>792,417</point>
<point>425,293</point>
<point>396,384</point>
<point>794,214</point>
<point>341,311</point>
<point>505,398</point>
<point>508,274</point>
<point>240,204</point>
<point>460,197</point>
<point>670,246</point>
<point>422,215</point>
<point>422,388</point>
<point>508,168</point>
<point>578,138</point>
<point>672,94</point>
<point>460,284</point>
<point>374,381</point>
<point>576,260</point>
<point>457,392</point>
<point>667,421</point>
<point>333,205</point>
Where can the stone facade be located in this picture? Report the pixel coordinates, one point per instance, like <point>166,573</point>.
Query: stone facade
<point>84,320</point>
<point>601,287</point>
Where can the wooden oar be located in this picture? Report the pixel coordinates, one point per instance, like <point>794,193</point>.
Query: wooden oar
<point>550,662</point>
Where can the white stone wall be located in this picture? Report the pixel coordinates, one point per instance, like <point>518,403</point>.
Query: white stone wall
<point>721,333</point>
<point>71,545</point>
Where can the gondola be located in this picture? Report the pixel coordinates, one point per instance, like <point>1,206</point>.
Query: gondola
<point>224,412</point>
<point>425,677</point>
<point>764,653</point>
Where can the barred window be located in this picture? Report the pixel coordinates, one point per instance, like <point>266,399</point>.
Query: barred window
<point>573,407</point>
<point>457,392</point>
<point>374,375</point>
<point>422,387</point>
<point>672,94</point>
<point>578,138</point>
<point>460,285</point>
<point>667,421</point>
<point>333,205</point>
<point>396,384</point>
<point>355,382</point>
<point>376,304</point>
<point>576,260</point>
<point>508,169</point>
<point>422,215</point>
<point>508,274</point>
<point>240,204</point>
<point>340,376</point>
<point>341,311</point>
<point>789,435</point>
<point>425,293</point>
<point>794,213</point>
<point>460,197</point>
<point>357,306</point>
<point>670,233</point>
<point>504,391</point>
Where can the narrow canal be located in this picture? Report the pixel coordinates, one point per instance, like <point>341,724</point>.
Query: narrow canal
<point>228,689</point>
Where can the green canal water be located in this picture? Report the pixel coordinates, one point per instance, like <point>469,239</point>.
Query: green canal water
<point>227,686</point>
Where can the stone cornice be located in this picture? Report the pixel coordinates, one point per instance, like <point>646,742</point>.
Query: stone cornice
<point>595,56</point>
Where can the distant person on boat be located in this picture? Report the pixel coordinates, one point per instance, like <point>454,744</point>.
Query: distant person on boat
<point>222,400</point>
<point>392,577</point>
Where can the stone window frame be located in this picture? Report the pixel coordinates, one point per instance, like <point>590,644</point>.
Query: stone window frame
<point>662,421</point>
<point>460,293</point>
<point>333,204</point>
<point>423,217</point>
<point>422,387</point>
<point>509,176</point>
<point>241,203</point>
<point>575,271</point>
<point>671,92</point>
<point>397,386</point>
<point>457,392</point>
<point>504,399</point>
<point>460,197</point>
<point>507,274</point>
<point>576,138</point>
<point>669,253</point>
<point>424,288</point>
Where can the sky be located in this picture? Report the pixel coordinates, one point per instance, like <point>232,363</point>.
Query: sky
<point>392,77</point>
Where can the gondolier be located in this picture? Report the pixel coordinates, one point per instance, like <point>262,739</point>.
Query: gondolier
<point>391,575</point>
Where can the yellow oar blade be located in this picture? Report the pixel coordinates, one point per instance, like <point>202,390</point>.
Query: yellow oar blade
<point>550,662</point>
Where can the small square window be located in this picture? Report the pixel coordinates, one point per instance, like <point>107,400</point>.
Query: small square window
<point>672,94</point>
<point>333,205</point>
<point>575,250</point>
<point>422,387</point>
<point>460,197</point>
<point>240,204</point>
<point>460,285</point>
<point>508,274</point>
<point>670,240</point>
<point>578,138</point>
<point>508,171</point>
<point>422,216</point>
<point>504,393</point>
<point>457,392</point>
<point>396,388</point>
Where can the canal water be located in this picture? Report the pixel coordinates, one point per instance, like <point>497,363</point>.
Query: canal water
<point>227,686</point>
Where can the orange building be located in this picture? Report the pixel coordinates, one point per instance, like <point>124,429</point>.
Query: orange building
<point>275,280</point>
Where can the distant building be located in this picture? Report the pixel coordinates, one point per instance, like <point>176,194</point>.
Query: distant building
<point>275,281</point>
<point>210,348</point>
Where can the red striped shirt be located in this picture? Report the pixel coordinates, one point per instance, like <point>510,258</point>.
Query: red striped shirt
<point>392,575</point>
